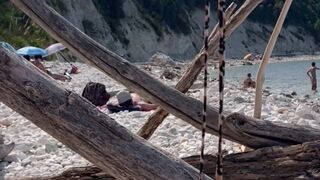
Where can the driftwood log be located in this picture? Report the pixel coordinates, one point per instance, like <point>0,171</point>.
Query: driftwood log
<point>78,124</point>
<point>293,162</point>
<point>153,90</point>
<point>265,59</point>
<point>191,74</point>
<point>183,85</point>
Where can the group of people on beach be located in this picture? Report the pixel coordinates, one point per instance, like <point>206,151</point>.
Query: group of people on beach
<point>249,83</point>
<point>37,61</point>
<point>96,92</point>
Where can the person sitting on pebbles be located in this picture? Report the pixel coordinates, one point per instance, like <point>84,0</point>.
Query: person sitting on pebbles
<point>37,61</point>
<point>96,93</point>
<point>249,83</point>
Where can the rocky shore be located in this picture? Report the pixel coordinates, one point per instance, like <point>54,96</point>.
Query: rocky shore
<point>37,154</point>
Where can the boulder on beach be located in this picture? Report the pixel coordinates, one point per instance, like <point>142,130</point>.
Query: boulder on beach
<point>239,99</point>
<point>304,111</point>
<point>161,59</point>
<point>168,74</point>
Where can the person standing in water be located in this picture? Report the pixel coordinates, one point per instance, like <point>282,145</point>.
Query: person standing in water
<point>313,76</point>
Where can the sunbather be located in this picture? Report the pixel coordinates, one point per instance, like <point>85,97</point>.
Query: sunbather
<point>37,61</point>
<point>249,83</point>
<point>97,95</point>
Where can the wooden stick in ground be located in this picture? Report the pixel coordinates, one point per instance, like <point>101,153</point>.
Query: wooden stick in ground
<point>294,162</point>
<point>260,74</point>
<point>173,101</point>
<point>195,68</point>
<point>79,125</point>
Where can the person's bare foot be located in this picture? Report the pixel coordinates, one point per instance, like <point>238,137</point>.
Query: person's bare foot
<point>5,149</point>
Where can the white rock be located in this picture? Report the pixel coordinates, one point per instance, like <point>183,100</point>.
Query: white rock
<point>240,109</point>
<point>24,147</point>
<point>282,110</point>
<point>26,161</point>
<point>173,131</point>
<point>5,122</point>
<point>12,158</point>
<point>239,100</point>
<point>304,111</point>
<point>49,148</point>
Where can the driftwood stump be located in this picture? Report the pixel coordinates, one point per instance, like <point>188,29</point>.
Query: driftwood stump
<point>293,162</point>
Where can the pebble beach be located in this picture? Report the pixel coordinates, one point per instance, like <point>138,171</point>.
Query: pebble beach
<point>37,154</point>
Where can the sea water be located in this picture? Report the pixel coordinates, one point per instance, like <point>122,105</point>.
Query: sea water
<point>282,77</point>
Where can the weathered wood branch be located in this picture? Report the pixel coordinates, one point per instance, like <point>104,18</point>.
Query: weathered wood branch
<point>188,78</point>
<point>79,125</point>
<point>173,101</point>
<point>299,161</point>
<point>265,59</point>
<point>157,117</point>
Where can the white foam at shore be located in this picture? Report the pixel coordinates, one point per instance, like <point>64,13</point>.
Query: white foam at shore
<point>38,154</point>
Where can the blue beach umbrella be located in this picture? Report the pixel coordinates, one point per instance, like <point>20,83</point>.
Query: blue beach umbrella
<point>7,46</point>
<point>31,51</point>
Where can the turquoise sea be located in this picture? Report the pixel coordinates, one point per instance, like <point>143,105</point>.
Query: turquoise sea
<point>280,77</point>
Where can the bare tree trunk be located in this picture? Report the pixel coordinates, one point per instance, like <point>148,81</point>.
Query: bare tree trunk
<point>159,115</point>
<point>173,101</point>
<point>265,59</point>
<point>79,125</point>
<point>293,162</point>
<point>195,68</point>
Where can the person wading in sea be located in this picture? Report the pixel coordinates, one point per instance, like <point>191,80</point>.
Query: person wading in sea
<point>313,76</point>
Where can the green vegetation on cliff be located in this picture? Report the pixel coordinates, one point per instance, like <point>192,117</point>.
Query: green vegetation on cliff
<point>162,15</point>
<point>171,13</point>
<point>303,13</point>
<point>17,29</point>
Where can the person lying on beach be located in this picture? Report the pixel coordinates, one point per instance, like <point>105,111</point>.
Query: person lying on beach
<point>313,76</point>
<point>72,70</point>
<point>249,83</point>
<point>96,93</point>
<point>37,61</point>
<point>131,102</point>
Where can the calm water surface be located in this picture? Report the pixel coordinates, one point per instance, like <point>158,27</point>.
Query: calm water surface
<point>280,77</point>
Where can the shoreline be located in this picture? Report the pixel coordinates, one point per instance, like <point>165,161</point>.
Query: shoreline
<point>274,59</point>
<point>38,154</point>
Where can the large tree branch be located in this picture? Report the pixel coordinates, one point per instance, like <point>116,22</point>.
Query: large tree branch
<point>188,78</point>
<point>79,125</point>
<point>294,162</point>
<point>173,101</point>
<point>184,83</point>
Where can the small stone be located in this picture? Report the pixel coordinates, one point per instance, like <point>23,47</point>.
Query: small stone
<point>286,95</point>
<point>282,110</point>
<point>26,161</point>
<point>173,131</point>
<point>50,148</point>
<point>168,74</point>
<point>293,93</point>
<point>161,59</point>
<point>239,99</point>
<point>5,122</point>
<point>316,108</point>
<point>308,116</point>
<point>11,158</point>
<point>3,165</point>
<point>247,63</point>
<point>5,149</point>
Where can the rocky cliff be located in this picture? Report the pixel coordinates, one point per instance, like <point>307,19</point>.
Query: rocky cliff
<point>135,36</point>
